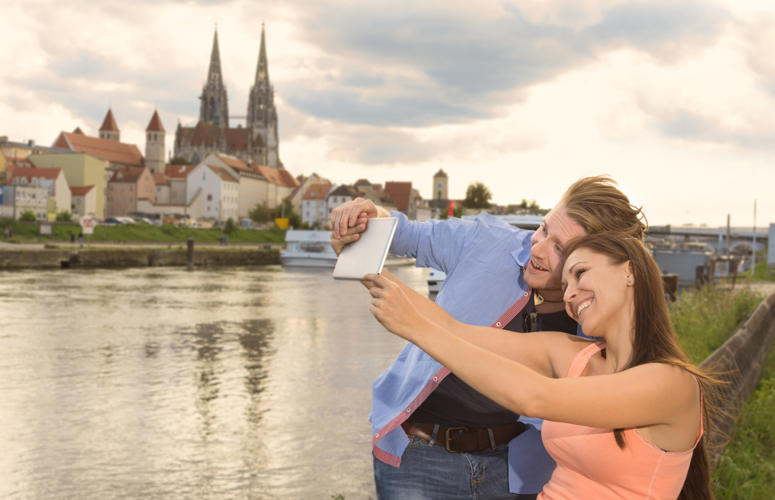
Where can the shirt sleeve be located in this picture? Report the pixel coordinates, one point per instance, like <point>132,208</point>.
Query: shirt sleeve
<point>439,244</point>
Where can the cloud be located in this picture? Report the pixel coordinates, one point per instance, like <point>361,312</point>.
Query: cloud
<point>463,65</point>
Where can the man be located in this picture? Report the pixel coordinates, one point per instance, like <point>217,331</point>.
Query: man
<point>434,437</point>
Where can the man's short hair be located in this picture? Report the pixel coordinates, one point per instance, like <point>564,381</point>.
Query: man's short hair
<point>598,205</point>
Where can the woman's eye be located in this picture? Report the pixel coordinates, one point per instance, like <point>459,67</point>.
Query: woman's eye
<point>579,272</point>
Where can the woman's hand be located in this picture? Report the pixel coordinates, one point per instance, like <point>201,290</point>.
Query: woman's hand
<point>393,308</point>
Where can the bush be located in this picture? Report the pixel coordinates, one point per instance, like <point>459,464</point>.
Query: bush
<point>229,227</point>
<point>28,216</point>
<point>65,216</point>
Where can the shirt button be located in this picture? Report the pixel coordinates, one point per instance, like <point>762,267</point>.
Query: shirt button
<point>408,410</point>
<point>435,379</point>
<point>526,294</point>
<point>376,435</point>
<point>498,324</point>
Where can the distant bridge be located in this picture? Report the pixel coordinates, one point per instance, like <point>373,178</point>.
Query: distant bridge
<point>739,237</point>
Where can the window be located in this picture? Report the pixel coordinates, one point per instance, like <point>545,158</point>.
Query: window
<point>209,198</point>
<point>130,187</point>
<point>130,199</point>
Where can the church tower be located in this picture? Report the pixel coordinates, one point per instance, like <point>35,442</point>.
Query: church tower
<point>440,186</point>
<point>214,109</point>
<point>109,129</point>
<point>154,145</point>
<point>262,116</point>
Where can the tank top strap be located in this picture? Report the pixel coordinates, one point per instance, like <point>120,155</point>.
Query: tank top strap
<point>702,415</point>
<point>581,359</point>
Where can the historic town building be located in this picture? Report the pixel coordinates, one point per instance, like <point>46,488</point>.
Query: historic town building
<point>256,142</point>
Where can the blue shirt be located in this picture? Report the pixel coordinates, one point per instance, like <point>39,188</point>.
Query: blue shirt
<point>484,261</point>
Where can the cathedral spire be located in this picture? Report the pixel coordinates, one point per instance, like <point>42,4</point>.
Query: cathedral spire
<point>214,109</point>
<point>214,74</point>
<point>262,115</point>
<point>262,70</point>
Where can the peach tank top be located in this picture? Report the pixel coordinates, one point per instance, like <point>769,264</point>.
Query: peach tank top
<point>591,465</point>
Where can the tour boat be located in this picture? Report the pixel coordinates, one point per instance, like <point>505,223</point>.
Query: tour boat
<point>313,249</point>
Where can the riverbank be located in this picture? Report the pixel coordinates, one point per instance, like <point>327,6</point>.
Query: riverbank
<point>29,232</point>
<point>111,257</point>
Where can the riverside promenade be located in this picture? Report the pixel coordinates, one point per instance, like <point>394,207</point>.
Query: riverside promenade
<point>65,255</point>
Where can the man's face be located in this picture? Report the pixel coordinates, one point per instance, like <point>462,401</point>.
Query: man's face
<point>547,252</point>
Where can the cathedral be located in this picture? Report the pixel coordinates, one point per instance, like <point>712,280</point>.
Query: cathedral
<point>256,142</point>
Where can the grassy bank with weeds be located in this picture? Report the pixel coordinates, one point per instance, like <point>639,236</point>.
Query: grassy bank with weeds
<point>138,232</point>
<point>746,469</point>
<point>760,273</point>
<point>704,319</point>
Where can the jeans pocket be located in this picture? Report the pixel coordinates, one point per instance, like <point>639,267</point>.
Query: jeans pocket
<point>414,442</point>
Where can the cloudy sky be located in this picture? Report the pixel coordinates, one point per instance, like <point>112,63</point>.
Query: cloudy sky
<point>673,98</point>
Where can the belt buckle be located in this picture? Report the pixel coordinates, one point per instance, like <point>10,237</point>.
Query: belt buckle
<point>448,438</point>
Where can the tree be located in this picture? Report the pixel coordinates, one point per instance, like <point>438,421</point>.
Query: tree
<point>28,215</point>
<point>230,226</point>
<point>65,216</point>
<point>179,161</point>
<point>477,196</point>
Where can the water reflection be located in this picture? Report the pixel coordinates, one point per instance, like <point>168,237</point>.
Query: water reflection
<point>165,385</point>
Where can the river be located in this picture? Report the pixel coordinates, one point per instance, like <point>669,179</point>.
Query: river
<point>157,383</point>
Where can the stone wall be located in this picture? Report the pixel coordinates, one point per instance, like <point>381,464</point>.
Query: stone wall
<point>36,259</point>
<point>740,359</point>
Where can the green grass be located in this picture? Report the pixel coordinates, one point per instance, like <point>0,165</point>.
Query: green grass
<point>746,468</point>
<point>30,232</point>
<point>760,273</point>
<point>705,318</point>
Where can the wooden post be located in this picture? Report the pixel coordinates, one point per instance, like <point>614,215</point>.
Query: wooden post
<point>190,255</point>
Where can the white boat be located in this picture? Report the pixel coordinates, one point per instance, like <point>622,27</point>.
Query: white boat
<point>308,249</point>
<point>435,280</point>
<point>313,249</point>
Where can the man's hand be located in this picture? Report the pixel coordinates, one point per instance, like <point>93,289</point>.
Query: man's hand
<point>345,216</point>
<point>352,234</point>
<point>393,308</point>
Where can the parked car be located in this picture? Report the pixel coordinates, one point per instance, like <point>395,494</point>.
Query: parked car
<point>112,221</point>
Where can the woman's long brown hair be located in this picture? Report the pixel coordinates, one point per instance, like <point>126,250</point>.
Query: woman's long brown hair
<point>655,341</point>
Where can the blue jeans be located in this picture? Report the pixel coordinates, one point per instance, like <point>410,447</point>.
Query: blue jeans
<point>430,472</point>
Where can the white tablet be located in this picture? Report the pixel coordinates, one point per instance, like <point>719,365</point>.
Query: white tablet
<point>367,255</point>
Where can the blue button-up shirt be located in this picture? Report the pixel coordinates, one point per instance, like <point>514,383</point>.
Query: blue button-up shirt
<point>484,261</point>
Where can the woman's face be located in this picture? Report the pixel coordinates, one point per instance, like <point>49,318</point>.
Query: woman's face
<point>596,291</point>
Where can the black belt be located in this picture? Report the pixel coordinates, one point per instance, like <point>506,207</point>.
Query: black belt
<point>465,439</point>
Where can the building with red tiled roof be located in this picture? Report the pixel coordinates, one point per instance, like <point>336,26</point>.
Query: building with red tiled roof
<point>117,154</point>
<point>219,186</point>
<point>24,173</point>
<point>162,188</point>
<point>402,195</point>
<point>126,187</point>
<point>176,178</point>
<point>304,183</point>
<point>314,209</point>
<point>84,201</point>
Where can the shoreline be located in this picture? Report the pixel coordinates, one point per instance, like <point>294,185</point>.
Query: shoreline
<point>112,257</point>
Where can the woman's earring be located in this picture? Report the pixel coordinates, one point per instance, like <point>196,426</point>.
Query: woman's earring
<point>629,283</point>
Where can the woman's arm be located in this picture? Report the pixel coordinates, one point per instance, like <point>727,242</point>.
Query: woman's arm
<point>651,394</point>
<point>530,349</point>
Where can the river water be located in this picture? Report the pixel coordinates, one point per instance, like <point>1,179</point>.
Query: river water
<point>230,383</point>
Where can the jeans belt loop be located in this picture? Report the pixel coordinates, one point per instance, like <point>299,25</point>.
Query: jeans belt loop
<point>449,438</point>
<point>492,437</point>
<point>435,433</point>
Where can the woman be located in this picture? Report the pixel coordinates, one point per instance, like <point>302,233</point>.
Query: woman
<point>624,417</point>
